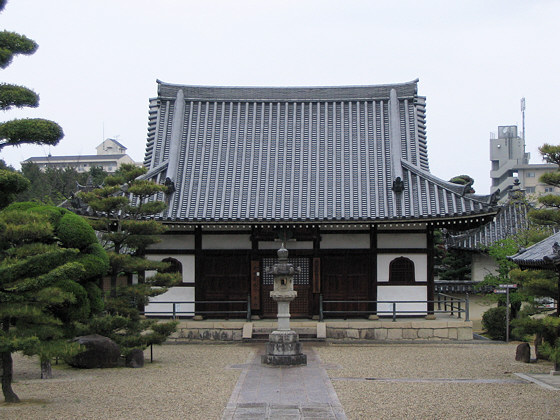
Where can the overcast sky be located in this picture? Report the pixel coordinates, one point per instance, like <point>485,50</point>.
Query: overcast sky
<point>98,62</point>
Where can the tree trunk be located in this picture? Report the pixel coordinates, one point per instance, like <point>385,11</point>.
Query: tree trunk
<point>7,368</point>
<point>113,285</point>
<point>558,297</point>
<point>46,369</point>
<point>538,343</point>
<point>7,375</point>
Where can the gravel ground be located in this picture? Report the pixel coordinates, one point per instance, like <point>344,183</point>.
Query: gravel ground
<point>363,399</point>
<point>184,382</point>
<point>195,382</point>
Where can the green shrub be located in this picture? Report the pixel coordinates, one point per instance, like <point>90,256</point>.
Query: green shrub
<point>23,206</point>
<point>54,214</point>
<point>74,232</point>
<point>95,298</point>
<point>79,309</point>
<point>494,321</point>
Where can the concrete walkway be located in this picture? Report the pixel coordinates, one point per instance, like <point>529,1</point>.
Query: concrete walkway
<point>544,380</point>
<point>302,392</point>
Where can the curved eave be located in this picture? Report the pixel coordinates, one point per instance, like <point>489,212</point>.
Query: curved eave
<point>532,264</point>
<point>459,222</point>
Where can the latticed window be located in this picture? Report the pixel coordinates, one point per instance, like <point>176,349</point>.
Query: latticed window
<point>401,270</point>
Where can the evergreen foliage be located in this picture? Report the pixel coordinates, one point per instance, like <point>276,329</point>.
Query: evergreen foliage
<point>494,322</point>
<point>122,209</point>
<point>453,264</point>
<point>11,184</point>
<point>19,131</point>
<point>464,180</point>
<point>44,288</point>
<point>546,331</point>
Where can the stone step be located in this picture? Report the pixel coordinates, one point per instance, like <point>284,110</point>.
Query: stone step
<point>260,334</point>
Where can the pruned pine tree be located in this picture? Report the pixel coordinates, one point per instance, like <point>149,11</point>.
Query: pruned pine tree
<point>20,131</point>
<point>49,260</point>
<point>549,214</point>
<point>123,215</point>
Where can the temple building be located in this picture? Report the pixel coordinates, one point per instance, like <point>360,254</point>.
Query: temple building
<point>338,174</point>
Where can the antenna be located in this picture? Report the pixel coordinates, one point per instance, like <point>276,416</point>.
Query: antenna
<point>523,124</point>
<point>523,116</point>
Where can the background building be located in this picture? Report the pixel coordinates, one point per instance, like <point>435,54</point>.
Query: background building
<point>110,156</point>
<point>510,161</point>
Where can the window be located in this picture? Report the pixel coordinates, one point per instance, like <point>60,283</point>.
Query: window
<point>175,266</point>
<point>401,271</point>
<point>548,189</point>
<point>530,190</point>
<point>530,174</point>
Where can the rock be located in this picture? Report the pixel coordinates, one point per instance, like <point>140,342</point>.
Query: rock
<point>135,359</point>
<point>101,352</point>
<point>523,353</point>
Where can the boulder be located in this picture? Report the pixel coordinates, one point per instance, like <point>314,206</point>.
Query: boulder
<point>101,352</point>
<point>135,359</point>
<point>523,353</point>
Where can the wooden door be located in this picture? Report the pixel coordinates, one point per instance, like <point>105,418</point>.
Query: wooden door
<point>345,276</point>
<point>223,277</point>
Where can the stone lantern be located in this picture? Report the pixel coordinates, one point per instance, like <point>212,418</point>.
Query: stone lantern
<point>283,347</point>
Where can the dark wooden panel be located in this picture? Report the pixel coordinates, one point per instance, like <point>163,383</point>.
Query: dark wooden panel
<point>316,275</point>
<point>345,277</point>
<point>223,277</point>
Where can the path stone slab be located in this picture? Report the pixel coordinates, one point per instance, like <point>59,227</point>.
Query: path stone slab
<point>296,392</point>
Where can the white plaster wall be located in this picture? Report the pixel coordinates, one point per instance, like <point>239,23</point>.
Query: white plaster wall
<point>174,242</point>
<point>174,294</point>
<point>186,260</point>
<point>420,266</point>
<point>413,240</point>
<point>482,264</point>
<point>289,245</point>
<point>400,293</point>
<point>344,241</point>
<point>226,241</point>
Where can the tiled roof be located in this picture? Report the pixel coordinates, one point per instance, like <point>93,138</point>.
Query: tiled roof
<point>511,219</point>
<point>298,154</point>
<point>544,254</point>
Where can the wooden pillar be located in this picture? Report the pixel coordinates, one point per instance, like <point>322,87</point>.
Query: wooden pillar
<point>372,267</point>
<point>316,272</point>
<point>255,272</point>
<point>198,263</point>
<point>430,273</point>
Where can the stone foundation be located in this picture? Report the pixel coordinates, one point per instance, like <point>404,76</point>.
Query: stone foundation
<point>432,330</point>
<point>352,330</point>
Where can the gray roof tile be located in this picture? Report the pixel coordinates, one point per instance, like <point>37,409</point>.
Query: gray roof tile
<point>298,154</point>
<point>540,255</point>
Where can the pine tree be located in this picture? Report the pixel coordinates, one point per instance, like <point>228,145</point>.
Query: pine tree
<point>19,131</point>
<point>48,259</point>
<point>549,213</point>
<point>122,209</point>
